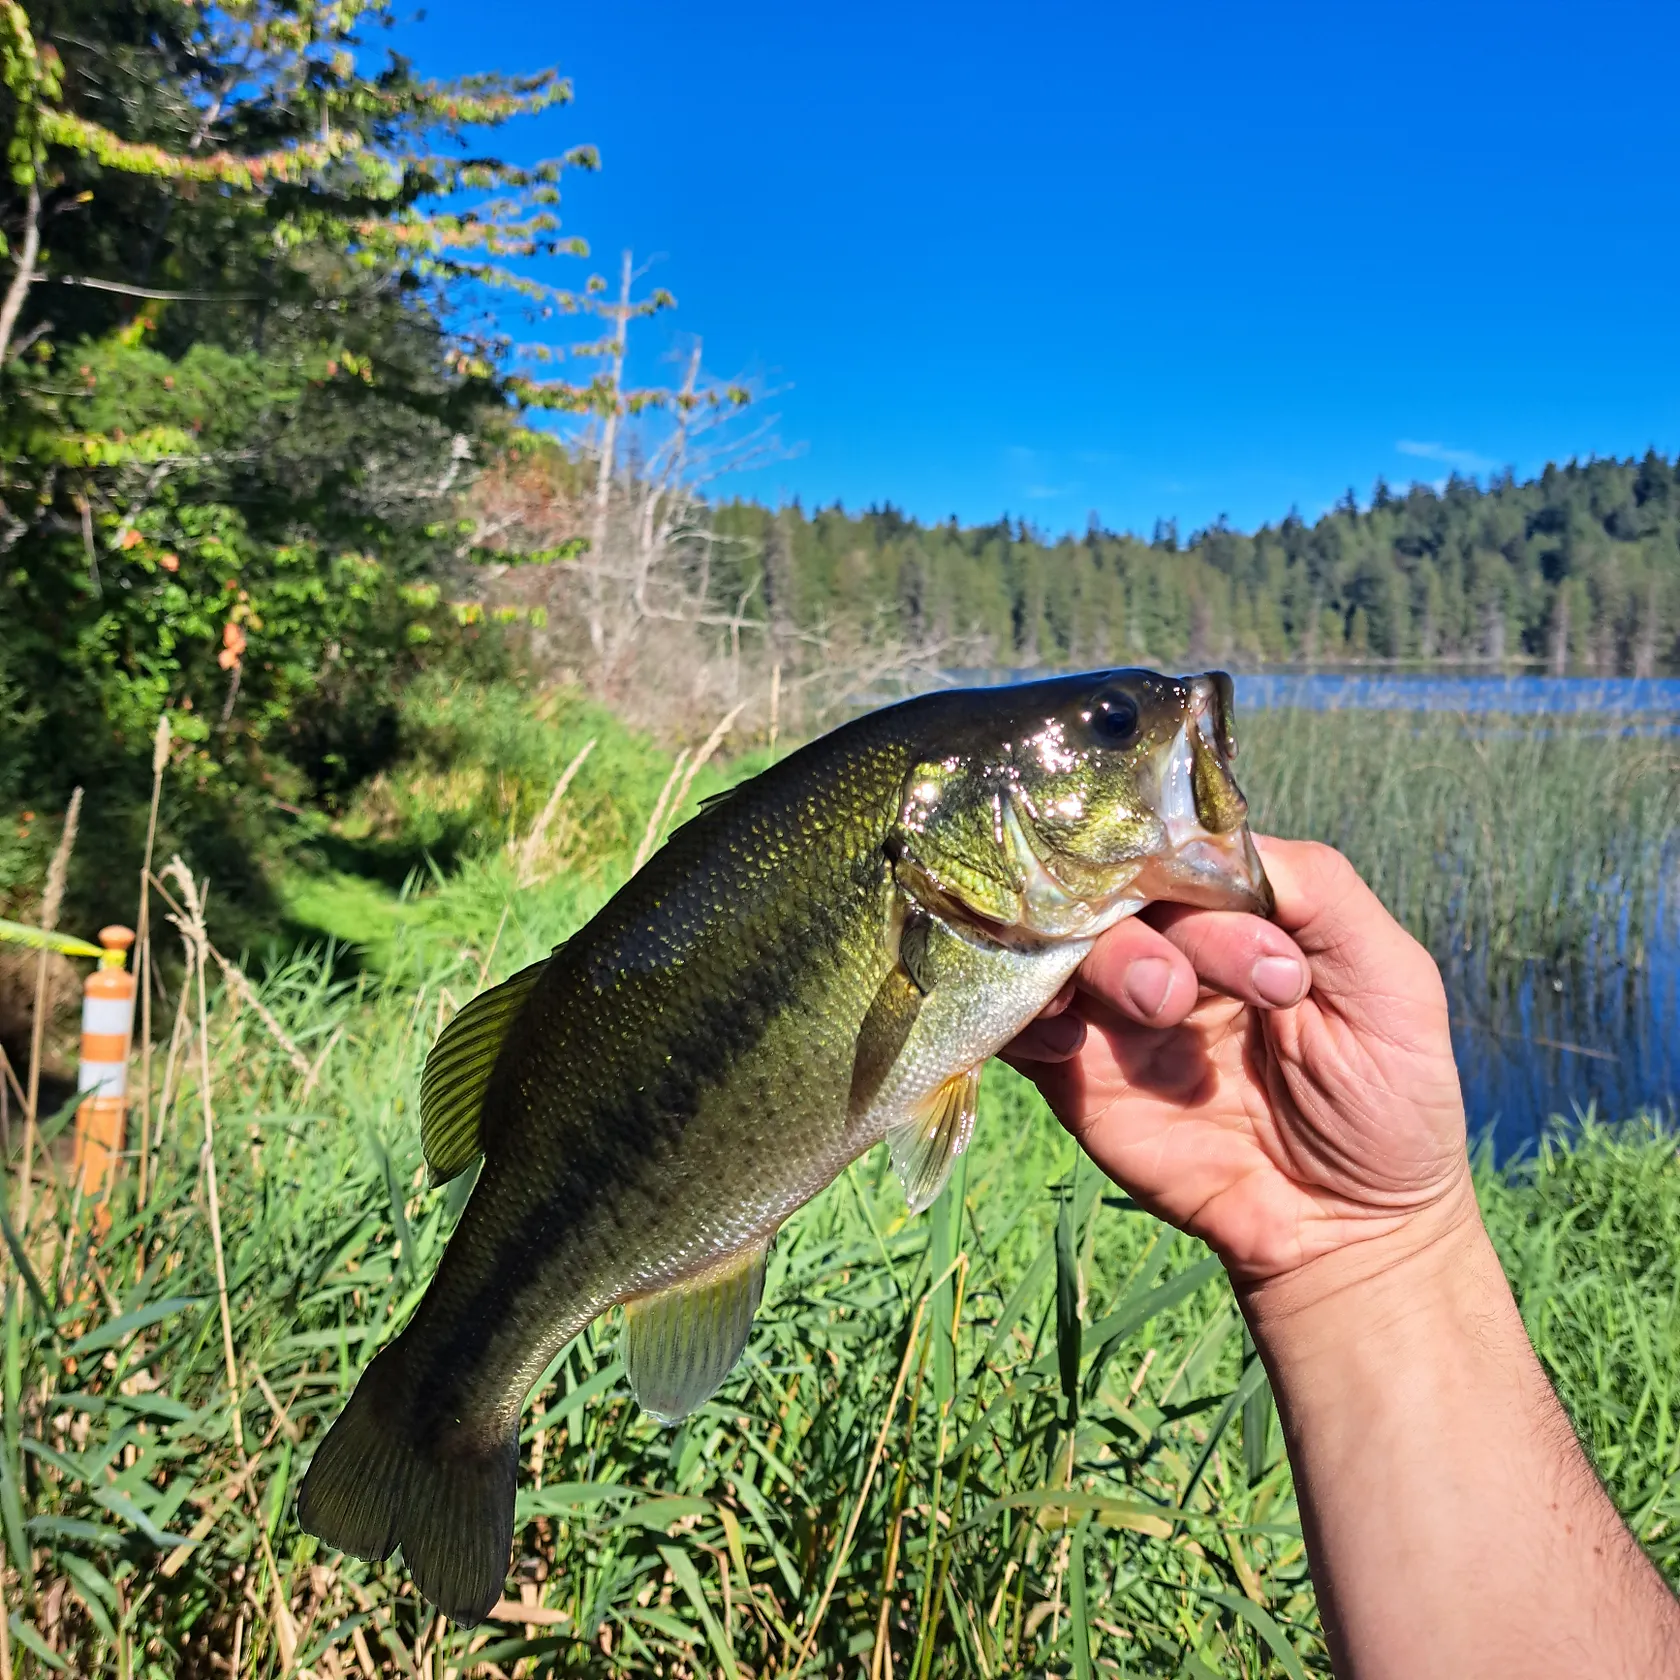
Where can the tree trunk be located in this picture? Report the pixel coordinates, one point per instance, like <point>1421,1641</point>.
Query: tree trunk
<point>1493,633</point>
<point>1646,636</point>
<point>11,306</point>
<point>604,475</point>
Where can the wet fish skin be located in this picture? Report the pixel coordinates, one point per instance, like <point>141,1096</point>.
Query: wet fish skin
<point>815,962</point>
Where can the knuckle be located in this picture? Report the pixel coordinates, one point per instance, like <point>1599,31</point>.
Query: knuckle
<point>1333,867</point>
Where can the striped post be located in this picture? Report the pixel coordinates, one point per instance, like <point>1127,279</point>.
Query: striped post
<point>102,1077</point>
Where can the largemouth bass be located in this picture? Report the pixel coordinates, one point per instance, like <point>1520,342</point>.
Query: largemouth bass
<point>819,961</point>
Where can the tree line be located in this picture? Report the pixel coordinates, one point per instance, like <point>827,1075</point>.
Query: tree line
<point>1577,570</point>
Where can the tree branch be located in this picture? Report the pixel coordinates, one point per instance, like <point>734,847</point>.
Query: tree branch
<point>152,292</point>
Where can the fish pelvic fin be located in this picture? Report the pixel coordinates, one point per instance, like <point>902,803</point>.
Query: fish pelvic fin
<point>926,1146</point>
<point>681,1343</point>
<point>371,1487</point>
<point>458,1070</point>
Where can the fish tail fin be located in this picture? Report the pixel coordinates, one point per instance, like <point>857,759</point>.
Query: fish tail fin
<point>372,1487</point>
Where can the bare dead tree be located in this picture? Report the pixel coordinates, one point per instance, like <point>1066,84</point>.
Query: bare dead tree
<point>607,459</point>
<point>645,594</point>
<point>23,273</point>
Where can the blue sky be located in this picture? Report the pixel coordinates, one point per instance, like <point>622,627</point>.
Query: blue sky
<point>1155,261</point>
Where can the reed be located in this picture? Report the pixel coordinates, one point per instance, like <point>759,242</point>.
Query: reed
<point>1551,836</point>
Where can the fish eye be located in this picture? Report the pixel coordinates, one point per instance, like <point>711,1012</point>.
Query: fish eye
<point>1113,718</point>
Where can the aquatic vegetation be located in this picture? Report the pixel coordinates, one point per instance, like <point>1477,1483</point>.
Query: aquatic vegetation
<point>1512,835</point>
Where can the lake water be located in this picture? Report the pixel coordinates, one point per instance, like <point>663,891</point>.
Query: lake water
<point>1652,699</point>
<point>1533,1040</point>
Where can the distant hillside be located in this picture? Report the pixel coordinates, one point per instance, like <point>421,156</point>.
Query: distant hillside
<point>1578,569</point>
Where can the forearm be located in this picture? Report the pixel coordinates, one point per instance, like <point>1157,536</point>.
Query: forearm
<point>1453,1524</point>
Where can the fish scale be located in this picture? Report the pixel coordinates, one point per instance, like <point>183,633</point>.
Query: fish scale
<point>819,960</point>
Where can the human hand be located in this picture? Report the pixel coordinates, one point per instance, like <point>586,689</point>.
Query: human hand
<point>1276,1122</point>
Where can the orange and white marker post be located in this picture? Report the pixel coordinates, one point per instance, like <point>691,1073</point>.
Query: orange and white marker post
<point>102,1077</point>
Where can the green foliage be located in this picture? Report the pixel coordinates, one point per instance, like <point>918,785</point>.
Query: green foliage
<point>239,392</point>
<point>1588,1231</point>
<point>473,765</point>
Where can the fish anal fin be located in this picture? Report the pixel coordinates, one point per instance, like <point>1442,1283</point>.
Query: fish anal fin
<point>458,1070</point>
<point>885,1030</point>
<point>681,1343</point>
<point>926,1146</point>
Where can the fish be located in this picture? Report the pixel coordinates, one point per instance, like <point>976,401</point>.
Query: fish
<point>819,961</point>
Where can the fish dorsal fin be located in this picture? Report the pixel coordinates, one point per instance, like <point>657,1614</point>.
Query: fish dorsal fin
<point>458,1069</point>
<point>926,1146</point>
<point>680,1343</point>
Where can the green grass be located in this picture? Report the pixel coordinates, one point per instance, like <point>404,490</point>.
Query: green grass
<point>1078,1471</point>
<point>1589,1232</point>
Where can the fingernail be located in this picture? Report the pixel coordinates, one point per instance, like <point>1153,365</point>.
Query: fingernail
<point>1146,985</point>
<point>1061,1035</point>
<point>1279,981</point>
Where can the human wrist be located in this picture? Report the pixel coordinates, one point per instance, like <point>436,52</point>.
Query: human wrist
<point>1452,1522</point>
<point>1436,1259</point>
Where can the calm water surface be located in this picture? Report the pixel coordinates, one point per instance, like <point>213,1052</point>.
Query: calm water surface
<point>1533,1039</point>
<point>1619,698</point>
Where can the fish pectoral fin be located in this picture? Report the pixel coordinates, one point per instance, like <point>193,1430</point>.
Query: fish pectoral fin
<point>680,1343</point>
<point>885,1030</point>
<point>926,1146</point>
<point>458,1070</point>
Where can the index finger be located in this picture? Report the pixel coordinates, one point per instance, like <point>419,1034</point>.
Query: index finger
<point>1343,929</point>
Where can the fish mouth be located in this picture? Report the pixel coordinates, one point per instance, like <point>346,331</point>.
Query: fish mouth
<point>1193,863</point>
<point>1213,869</point>
<point>1211,872</point>
<point>1195,867</point>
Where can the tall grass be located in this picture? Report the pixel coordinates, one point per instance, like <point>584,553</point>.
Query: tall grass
<point>1589,1230</point>
<point>1550,836</point>
<point>1022,1433</point>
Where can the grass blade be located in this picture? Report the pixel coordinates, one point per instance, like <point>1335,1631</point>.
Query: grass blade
<point>27,1271</point>
<point>25,1635</point>
<point>1263,1624</point>
<point>142,1318</point>
<point>1253,1380</point>
<point>395,1200</point>
<point>1256,1422</point>
<point>1079,1609</point>
<point>11,1512</point>
<point>1069,1331</point>
<point>684,1573</point>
